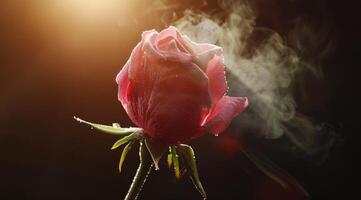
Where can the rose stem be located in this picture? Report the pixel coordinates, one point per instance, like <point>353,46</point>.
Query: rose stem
<point>145,166</point>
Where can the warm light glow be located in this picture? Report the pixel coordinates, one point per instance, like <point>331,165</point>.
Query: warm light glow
<point>90,8</point>
<point>86,24</point>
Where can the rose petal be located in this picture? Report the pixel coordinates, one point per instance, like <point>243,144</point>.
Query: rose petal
<point>170,45</point>
<point>135,61</point>
<point>168,33</point>
<point>171,34</point>
<point>148,44</point>
<point>224,111</point>
<point>123,84</point>
<point>179,94</point>
<point>216,77</point>
<point>132,69</point>
<point>207,52</point>
<point>171,52</point>
<point>202,52</point>
<point>124,88</point>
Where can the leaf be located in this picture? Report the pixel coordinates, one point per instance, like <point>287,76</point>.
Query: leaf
<point>156,150</point>
<point>175,162</point>
<point>115,130</point>
<point>125,139</point>
<point>190,161</point>
<point>124,155</point>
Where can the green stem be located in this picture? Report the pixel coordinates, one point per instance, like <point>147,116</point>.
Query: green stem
<point>145,166</point>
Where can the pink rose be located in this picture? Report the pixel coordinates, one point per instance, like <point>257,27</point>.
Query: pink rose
<point>174,88</point>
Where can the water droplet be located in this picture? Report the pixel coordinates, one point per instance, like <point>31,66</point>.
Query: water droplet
<point>216,135</point>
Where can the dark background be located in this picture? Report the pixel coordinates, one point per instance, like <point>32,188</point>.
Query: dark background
<point>58,60</point>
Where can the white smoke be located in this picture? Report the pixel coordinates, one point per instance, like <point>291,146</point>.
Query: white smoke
<point>261,66</point>
<point>264,76</point>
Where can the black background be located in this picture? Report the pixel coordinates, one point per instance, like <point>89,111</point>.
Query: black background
<point>45,81</point>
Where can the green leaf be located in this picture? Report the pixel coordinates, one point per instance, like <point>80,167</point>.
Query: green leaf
<point>126,139</point>
<point>175,162</point>
<point>190,161</point>
<point>114,130</point>
<point>124,155</point>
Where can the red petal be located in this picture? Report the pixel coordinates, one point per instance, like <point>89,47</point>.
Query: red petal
<point>178,98</point>
<point>202,52</point>
<point>123,84</point>
<point>168,35</point>
<point>124,87</point>
<point>170,32</point>
<point>224,111</point>
<point>216,77</point>
<point>170,44</point>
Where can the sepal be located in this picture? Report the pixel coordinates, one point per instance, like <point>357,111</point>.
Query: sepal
<point>175,161</point>
<point>124,155</point>
<point>129,138</point>
<point>114,130</point>
<point>189,158</point>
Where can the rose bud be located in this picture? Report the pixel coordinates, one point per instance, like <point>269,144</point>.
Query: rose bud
<point>175,89</point>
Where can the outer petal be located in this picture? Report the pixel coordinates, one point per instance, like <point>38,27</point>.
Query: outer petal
<point>170,32</point>
<point>124,89</point>
<point>176,104</point>
<point>123,85</point>
<point>202,52</point>
<point>169,43</point>
<point>171,51</point>
<point>224,111</point>
<point>217,82</point>
<point>133,68</point>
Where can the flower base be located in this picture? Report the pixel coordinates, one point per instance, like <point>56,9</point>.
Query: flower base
<point>150,152</point>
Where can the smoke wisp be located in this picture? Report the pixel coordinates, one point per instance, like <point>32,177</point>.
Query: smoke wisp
<point>262,67</point>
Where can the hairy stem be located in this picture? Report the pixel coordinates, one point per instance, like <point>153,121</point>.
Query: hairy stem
<point>145,166</point>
